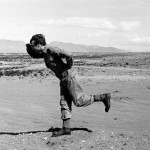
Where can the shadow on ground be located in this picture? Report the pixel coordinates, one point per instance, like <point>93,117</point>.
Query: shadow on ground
<point>49,130</point>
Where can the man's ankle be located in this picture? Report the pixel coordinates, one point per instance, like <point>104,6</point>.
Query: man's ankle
<point>61,132</point>
<point>66,123</point>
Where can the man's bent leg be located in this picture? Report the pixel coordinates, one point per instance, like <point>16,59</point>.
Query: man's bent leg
<point>77,95</point>
<point>82,100</point>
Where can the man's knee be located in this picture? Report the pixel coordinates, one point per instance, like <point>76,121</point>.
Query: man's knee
<point>78,103</point>
<point>83,101</point>
<point>65,114</point>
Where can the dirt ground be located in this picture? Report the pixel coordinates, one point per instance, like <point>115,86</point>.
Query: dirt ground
<point>30,111</point>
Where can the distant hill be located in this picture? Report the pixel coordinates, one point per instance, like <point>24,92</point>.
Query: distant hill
<point>70,47</point>
<point>9,46</point>
<point>86,48</point>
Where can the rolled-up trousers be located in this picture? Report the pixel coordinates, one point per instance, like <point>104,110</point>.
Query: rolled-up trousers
<point>71,91</point>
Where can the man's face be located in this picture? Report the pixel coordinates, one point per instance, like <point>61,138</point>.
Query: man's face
<point>38,47</point>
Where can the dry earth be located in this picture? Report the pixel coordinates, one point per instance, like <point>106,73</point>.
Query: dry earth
<point>29,108</point>
<point>30,111</point>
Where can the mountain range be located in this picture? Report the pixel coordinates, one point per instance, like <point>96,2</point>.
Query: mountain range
<point>86,48</point>
<point>9,46</point>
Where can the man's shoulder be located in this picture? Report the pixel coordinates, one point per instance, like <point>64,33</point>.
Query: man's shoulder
<point>55,49</point>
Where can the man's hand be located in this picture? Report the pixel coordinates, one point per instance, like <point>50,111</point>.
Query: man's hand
<point>69,61</point>
<point>34,53</point>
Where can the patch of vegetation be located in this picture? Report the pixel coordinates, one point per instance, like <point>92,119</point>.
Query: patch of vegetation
<point>15,64</point>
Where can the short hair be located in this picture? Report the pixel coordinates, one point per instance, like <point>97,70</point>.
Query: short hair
<point>39,39</point>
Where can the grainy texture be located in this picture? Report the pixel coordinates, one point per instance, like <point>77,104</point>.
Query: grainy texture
<point>29,106</point>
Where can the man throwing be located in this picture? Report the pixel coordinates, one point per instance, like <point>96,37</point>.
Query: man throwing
<point>70,90</point>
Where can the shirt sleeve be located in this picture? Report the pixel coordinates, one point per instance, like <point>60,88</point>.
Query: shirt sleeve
<point>63,54</point>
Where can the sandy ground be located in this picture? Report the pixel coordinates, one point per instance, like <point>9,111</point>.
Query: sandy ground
<point>30,111</point>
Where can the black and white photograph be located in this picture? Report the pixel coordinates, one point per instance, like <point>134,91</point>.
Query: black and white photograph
<point>74,75</point>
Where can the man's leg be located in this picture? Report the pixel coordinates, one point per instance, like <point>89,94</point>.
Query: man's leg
<point>76,93</point>
<point>66,108</point>
<point>82,100</point>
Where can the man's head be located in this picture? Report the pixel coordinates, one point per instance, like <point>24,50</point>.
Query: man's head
<point>38,39</point>
<point>38,42</point>
<point>36,48</point>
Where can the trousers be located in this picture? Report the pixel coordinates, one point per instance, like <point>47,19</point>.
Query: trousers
<point>71,91</point>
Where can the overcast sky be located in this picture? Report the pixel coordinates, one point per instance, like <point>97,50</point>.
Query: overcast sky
<point>116,23</point>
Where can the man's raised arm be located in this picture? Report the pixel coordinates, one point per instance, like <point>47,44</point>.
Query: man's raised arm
<point>34,53</point>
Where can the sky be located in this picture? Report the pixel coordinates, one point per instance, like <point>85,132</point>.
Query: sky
<point>111,23</point>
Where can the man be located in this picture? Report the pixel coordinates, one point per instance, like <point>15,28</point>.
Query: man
<point>70,90</point>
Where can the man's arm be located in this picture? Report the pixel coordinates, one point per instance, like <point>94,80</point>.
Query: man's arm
<point>69,62</point>
<point>64,55</point>
<point>34,53</point>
